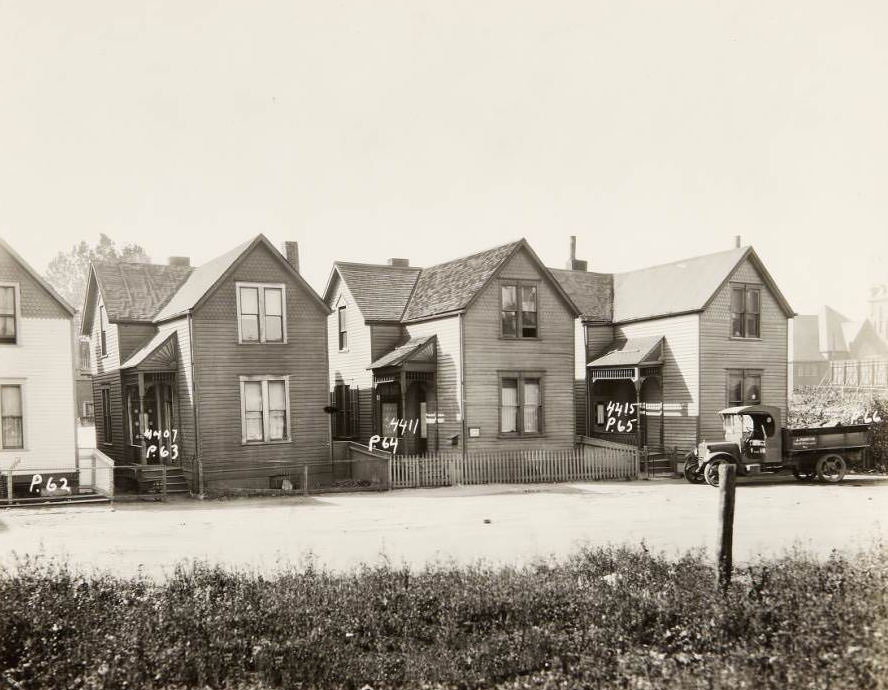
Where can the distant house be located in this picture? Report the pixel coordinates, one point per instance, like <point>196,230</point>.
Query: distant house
<point>37,403</point>
<point>225,362</point>
<point>471,354</point>
<point>830,349</point>
<point>665,348</point>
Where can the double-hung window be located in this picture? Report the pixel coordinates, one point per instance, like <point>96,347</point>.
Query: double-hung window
<point>519,310</point>
<point>107,429</point>
<point>12,420</point>
<point>261,313</point>
<point>744,387</point>
<point>265,409</point>
<point>521,404</point>
<point>746,308</point>
<point>8,314</point>
<point>343,328</point>
<point>103,330</point>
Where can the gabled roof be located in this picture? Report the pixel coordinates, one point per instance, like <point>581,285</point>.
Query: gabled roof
<point>631,352</point>
<point>683,287</point>
<point>133,291</point>
<point>37,277</point>
<point>452,286</point>
<point>593,293</point>
<point>381,292</point>
<point>413,348</point>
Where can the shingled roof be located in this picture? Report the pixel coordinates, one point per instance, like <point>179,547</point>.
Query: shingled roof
<point>593,293</point>
<point>381,292</point>
<point>135,292</point>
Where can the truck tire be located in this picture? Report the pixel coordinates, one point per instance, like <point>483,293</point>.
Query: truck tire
<point>831,468</point>
<point>710,472</point>
<point>690,472</point>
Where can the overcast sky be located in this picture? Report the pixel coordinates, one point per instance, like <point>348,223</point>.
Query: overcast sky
<point>651,130</point>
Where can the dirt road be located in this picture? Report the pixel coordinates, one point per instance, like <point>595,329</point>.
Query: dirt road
<point>498,524</point>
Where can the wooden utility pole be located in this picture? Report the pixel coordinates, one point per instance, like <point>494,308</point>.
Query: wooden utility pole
<point>727,484</point>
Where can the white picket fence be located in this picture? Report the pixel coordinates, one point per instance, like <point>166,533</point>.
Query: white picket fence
<point>590,460</point>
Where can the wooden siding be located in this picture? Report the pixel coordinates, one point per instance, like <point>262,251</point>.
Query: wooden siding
<point>100,364</point>
<point>680,372</point>
<point>116,448</point>
<point>448,392</point>
<point>36,302</point>
<point>349,367</point>
<point>131,337</point>
<point>719,352</point>
<point>384,338</point>
<point>221,360</point>
<point>488,353</point>
<point>591,341</point>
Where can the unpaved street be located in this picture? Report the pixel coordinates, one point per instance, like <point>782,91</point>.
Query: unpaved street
<point>419,526</point>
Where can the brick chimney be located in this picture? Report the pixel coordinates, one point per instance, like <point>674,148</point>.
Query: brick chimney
<point>737,241</point>
<point>575,264</point>
<point>403,263</point>
<point>180,261</point>
<point>291,251</point>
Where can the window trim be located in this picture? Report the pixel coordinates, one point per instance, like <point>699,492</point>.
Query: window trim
<point>266,417</point>
<point>261,287</point>
<point>17,313</point>
<point>107,420</point>
<point>743,374</point>
<point>342,315</point>
<point>103,331</point>
<point>746,287</point>
<point>518,283</point>
<point>22,385</point>
<point>521,376</point>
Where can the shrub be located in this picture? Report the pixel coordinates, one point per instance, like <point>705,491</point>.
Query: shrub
<point>604,618</point>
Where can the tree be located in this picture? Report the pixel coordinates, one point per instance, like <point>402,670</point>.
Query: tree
<point>68,271</point>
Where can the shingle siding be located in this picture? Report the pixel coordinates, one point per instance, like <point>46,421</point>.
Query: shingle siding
<point>36,302</point>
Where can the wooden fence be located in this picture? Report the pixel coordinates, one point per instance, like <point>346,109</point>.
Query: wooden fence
<point>592,459</point>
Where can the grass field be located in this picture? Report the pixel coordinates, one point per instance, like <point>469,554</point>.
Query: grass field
<point>604,618</point>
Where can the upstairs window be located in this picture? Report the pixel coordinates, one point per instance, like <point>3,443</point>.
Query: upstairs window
<point>744,387</point>
<point>521,404</point>
<point>265,409</point>
<point>746,307</point>
<point>260,313</point>
<point>83,348</point>
<point>12,429</point>
<point>519,310</point>
<point>103,330</point>
<point>343,329</point>
<point>8,315</point>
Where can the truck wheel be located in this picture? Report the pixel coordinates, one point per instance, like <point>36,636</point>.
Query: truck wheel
<point>710,472</point>
<point>831,468</point>
<point>690,472</point>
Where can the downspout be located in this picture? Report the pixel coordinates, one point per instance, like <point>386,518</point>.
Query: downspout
<point>195,402</point>
<point>462,385</point>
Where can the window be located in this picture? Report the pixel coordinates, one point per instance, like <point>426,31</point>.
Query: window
<point>521,404</point>
<point>89,410</point>
<point>746,307</point>
<point>519,310</point>
<point>12,429</point>
<point>744,387</point>
<point>83,347</point>
<point>8,314</point>
<point>103,330</point>
<point>106,416</point>
<point>260,313</point>
<point>343,329</point>
<point>345,419</point>
<point>265,409</point>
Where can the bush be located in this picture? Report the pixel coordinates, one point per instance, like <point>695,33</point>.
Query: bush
<point>604,618</point>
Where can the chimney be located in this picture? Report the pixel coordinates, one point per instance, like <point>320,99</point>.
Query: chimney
<point>291,251</point>
<point>737,241</point>
<point>181,261</point>
<point>403,263</point>
<point>575,264</point>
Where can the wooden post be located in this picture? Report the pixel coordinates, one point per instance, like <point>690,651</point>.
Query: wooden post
<point>305,480</point>
<point>727,480</point>
<point>9,487</point>
<point>163,481</point>
<point>388,468</point>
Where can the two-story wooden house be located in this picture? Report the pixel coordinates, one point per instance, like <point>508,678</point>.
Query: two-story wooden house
<point>665,348</point>
<point>225,362</point>
<point>37,397</point>
<point>475,354</point>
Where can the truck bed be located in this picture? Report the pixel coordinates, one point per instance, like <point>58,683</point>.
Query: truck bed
<point>823,438</point>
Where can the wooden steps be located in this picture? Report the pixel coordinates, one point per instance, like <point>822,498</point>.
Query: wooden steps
<point>151,480</point>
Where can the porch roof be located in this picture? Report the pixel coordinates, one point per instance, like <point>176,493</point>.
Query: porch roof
<point>414,349</point>
<point>159,353</point>
<point>631,353</point>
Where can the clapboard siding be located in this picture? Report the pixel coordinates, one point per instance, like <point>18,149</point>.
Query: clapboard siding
<point>719,352</point>
<point>680,373</point>
<point>131,337</point>
<point>488,353</point>
<point>102,364</point>
<point>221,360</point>
<point>592,340</point>
<point>447,376</point>
<point>116,447</point>
<point>384,338</point>
<point>349,366</point>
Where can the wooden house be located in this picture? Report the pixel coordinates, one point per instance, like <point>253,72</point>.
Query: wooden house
<point>471,354</point>
<point>37,395</point>
<point>225,362</point>
<point>665,348</point>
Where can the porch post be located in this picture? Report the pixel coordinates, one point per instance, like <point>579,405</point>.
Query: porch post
<point>638,382</point>
<point>143,418</point>
<point>403,382</point>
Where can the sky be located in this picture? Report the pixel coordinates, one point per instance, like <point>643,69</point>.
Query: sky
<point>429,130</point>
